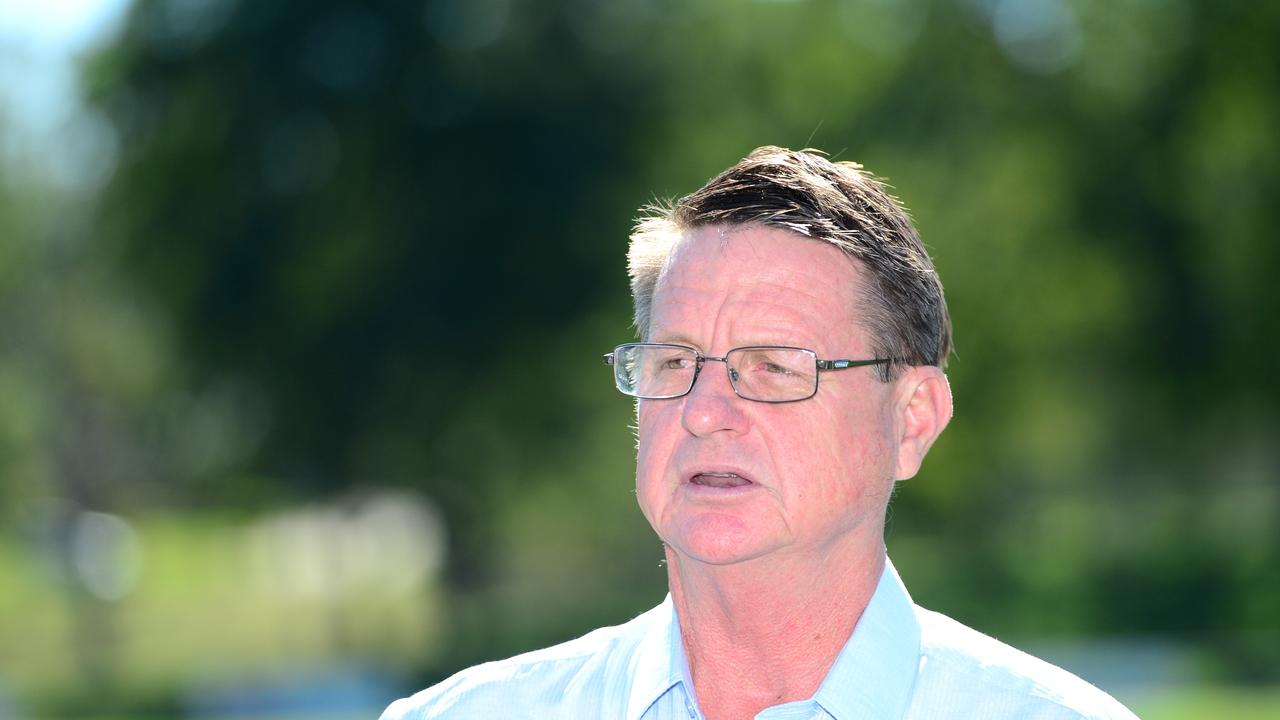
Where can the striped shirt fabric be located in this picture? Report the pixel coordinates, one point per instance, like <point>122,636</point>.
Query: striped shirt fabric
<point>901,661</point>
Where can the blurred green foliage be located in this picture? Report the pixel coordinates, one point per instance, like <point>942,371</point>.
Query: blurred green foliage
<point>355,246</point>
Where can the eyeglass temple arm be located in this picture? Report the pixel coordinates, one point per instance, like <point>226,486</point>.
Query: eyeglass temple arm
<point>846,364</point>
<point>608,358</point>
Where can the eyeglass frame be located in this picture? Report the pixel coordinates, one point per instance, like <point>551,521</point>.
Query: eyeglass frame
<point>610,358</point>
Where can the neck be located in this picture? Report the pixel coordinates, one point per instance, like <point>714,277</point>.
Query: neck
<point>766,631</point>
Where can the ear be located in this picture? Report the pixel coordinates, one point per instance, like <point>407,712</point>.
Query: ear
<point>924,409</point>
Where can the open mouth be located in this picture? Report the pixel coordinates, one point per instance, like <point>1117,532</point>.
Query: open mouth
<point>719,480</point>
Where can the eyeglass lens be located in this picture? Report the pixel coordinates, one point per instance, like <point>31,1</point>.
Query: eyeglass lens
<point>770,374</point>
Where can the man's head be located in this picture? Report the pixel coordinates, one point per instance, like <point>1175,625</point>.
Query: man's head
<point>788,250</point>
<point>837,203</point>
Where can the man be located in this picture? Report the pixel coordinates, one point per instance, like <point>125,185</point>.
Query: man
<point>794,333</point>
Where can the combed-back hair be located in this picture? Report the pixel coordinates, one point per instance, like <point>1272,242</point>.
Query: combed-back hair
<point>803,192</point>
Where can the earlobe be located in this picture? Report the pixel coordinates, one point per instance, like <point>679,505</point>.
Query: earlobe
<point>924,411</point>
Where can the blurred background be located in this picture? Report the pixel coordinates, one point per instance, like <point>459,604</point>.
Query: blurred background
<point>302,306</point>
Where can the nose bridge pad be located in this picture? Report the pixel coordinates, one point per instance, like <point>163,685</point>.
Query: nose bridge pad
<point>712,410</point>
<point>732,373</point>
<point>698,364</point>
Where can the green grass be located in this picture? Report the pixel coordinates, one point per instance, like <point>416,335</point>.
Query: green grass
<point>204,608</point>
<point>1202,703</point>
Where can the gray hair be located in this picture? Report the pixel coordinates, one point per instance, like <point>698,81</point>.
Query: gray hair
<point>834,202</point>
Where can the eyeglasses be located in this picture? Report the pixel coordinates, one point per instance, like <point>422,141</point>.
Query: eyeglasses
<point>764,373</point>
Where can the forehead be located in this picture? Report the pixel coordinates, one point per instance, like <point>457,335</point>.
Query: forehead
<point>758,284</point>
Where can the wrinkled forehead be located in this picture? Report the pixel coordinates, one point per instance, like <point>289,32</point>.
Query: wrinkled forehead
<point>762,253</point>
<point>757,269</point>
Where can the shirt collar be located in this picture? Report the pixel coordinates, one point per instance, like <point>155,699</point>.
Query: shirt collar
<point>658,663</point>
<point>874,674</point>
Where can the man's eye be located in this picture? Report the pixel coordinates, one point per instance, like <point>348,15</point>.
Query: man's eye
<point>776,369</point>
<point>675,363</point>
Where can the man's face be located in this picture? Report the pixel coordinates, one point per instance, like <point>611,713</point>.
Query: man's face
<point>818,472</point>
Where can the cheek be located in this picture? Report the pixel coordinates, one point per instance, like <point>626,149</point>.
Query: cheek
<point>653,456</point>
<point>847,456</point>
<point>648,435</point>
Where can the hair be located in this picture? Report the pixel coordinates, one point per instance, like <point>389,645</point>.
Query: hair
<point>835,202</point>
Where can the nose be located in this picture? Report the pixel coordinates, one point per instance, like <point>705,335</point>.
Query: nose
<point>712,406</point>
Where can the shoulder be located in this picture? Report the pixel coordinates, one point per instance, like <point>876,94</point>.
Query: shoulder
<point>964,668</point>
<point>583,674</point>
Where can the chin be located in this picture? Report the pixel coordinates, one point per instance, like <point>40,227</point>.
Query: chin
<point>716,539</point>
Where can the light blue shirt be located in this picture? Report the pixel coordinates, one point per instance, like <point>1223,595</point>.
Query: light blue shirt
<point>901,661</point>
